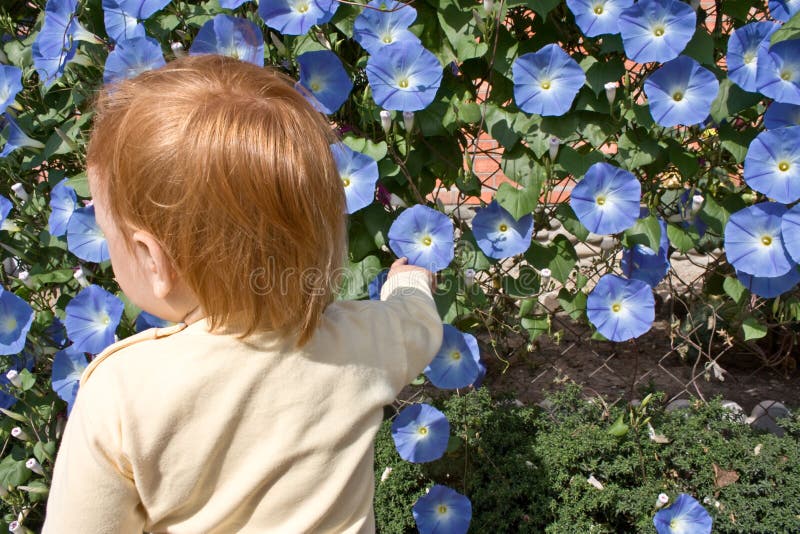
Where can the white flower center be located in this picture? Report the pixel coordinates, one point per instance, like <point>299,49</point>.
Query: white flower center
<point>766,240</point>
<point>658,30</point>
<point>784,166</point>
<point>9,324</point>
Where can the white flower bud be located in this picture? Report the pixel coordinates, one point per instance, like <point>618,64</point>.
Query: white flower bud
<point>13,377</point>
<point>20,434</point>
<point>24,277</point>
<point>15,527</point>
<point>408,120</point>
<point>396,202</point>
<point>545,274</point>
<point>80,276</point>
<point>386,473</point>
<point>386,121</point>
<point>555,142</point>
<point>611,91</point>
<point>607,243</point>
<point>19,190</point>
<point>594,482</point>
<point>177,49</point>
<point>34,465</point>
<point>469,277</point>
<point>488,5</point>
<point>697,204</point>
<point>662,500</point>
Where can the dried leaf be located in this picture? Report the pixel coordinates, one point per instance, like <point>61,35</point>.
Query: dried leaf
<point>724,478</point>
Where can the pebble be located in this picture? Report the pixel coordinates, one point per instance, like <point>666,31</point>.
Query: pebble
<point>765,414</point>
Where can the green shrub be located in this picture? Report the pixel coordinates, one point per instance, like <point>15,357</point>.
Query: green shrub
<point>526,469</point>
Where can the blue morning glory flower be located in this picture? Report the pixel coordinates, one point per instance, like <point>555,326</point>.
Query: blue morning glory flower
<point>621,309</point>
<point>384,22</point>
<point>769,287</point>
<point>68,366</point>
<point>132,57</point>
<point>744,45</point>
<point>783,10</point>
<point>63,202</point>
<point>295,17</point>
<point>92,318</point>
<point>772,164</point>
<point>684,516</point>
<point>404,76</point>
<point>123,17</point>
<point>645,264</point>
<point>5,209</point>
<point>147,320</point>
<point>442,511</point>
<point>781,115</point>
<point>10,85</point>
<point>56,43</point>
<point>424,236</point>
<point>15,137</point>
<point>322,73</point>
<point>598,17</point>
<point>606,201</point>
<point>16,317</point>
<point>420,433</point>
<point>753,242</point>
<point>359,174</point>
<point>546,81</point>
<point>85,239</point>
<point>656,30</point>
<point>498,234</point>
<point>458,362</point>
<point>790,232</point>
<point>778,75</point>
<point>57,333</point>
<point>376,284</point>
<point>681,92</point>
<point>231,4</point>
<point>230,36</point>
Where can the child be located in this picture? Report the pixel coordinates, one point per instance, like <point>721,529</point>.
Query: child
<point>214,184</point>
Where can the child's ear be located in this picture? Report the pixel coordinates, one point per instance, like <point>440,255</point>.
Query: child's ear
<point>156,265</point>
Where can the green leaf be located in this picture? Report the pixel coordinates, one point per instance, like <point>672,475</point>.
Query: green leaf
<point>526,284</point>
<point>14,415</point>
<point>543,7</point>
<point>499,125</point>
<point>683,239</point>
<point>28,380</point>
<point>573,303</point>
<point>730,100</point>
<point>738,9</point>
<point>459,26</point>
<point>560,257</point>
<point>12,469</point>
<point>536,325</point>
<point>576,163</point>
<point>520,166</point>
<point>357,276</point>
<point>80,183</point>
<point>789,30</point>
<point>569,220</point>
<point>734,289</point>
<point>716,213</point>
<point>701,47</point>
<point>518,201</point>
<point>468,255</point>
<point>619,428</point>
<point>376,151</point>
<point>645,232</point>
<point>753,329</point>
<point>736,142</point>
<point>599,73</point>
<point>637,149</point>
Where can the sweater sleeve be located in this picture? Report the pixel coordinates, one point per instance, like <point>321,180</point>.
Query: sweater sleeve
<point>93,488</point>
<point>409,295</point>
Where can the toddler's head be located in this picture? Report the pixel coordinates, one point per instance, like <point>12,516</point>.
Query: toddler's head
<point>221,171</point>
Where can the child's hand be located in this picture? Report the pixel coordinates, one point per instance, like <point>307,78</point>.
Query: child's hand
<point>401,265</point>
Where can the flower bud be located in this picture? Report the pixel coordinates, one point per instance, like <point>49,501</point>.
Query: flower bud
<point>20,434</point>
<point>555,142</point>
<point>278,45</point>
<point>662,500</point>
<point>385,474</point>
<point>469,277</point>
<point>19,190</point>
<point>611,91</point>
<point>697,204</point>
<point>386,121</point>
<point>488,5</point>
<point>13,377</point>
<point>545,274</point>
<point>15,527</point>
<point>34,465</point>
<point>408,120</point>
<point>177,49</point>
<point>594,482</point>
<point>80,276</point>
<point>24,277</point>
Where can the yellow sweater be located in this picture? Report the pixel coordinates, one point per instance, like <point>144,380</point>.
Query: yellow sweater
<point>181,430</point>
